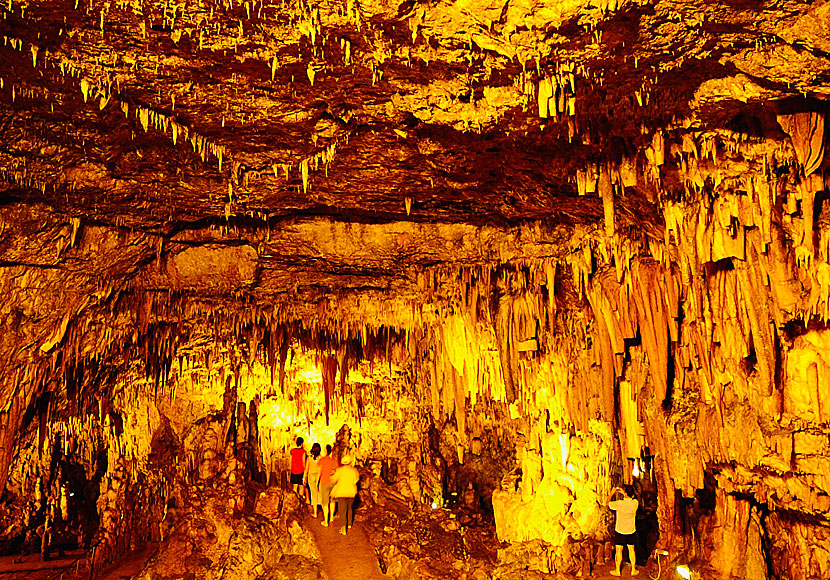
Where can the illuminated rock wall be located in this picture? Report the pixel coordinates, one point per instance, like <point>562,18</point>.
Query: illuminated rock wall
<point>522,251</point>
<point>702,339</point>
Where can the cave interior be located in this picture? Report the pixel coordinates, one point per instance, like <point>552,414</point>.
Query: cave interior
<point>506,256</point>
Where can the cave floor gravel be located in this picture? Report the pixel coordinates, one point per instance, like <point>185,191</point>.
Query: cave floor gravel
<point>128,567</point>
<point>348,557</point>
<point>71,566</point>
<point>32,566</point>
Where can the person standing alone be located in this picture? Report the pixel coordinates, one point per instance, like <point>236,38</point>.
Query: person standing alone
<point>625,528</point>
<point>298,468</point>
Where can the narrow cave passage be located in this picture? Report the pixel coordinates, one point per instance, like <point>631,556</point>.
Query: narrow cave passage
<point>347,557</point>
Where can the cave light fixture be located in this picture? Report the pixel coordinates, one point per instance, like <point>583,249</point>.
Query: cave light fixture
<point>685,572</point>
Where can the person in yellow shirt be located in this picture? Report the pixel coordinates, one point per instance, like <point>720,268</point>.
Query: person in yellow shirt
<point>344,491</point>
<point>625,528</point>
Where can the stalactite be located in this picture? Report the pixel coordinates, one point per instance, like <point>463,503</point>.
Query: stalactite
<point>500,315</point>
<point>343,364</point>
<point>329,368</point>
<point>606,364</point>
<point>606,192</point>
<point>760,321</point>
<point>806,130</point>
<point>284,338</point>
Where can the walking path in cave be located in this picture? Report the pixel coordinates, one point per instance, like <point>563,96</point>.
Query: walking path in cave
<point>348,557</point>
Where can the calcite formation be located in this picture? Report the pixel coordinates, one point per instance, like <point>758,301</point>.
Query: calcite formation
<point>507,255</point>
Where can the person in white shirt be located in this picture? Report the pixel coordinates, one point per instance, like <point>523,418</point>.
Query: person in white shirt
<point>311,478</point>
<point>625,528</point>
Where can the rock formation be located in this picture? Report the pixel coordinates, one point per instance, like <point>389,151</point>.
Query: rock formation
<point>507,255</point>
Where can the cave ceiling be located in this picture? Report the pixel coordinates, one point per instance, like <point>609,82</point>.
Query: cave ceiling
<point>337,144</point>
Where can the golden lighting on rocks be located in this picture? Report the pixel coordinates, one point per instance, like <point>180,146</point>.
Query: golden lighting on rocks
<point>310,375</point>
<point>276,413</point>
<point>584,242</point>
<point>300,411</point>
<point>563,449</point>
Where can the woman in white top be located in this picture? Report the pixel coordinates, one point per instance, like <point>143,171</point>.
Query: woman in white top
<point>311,478</point>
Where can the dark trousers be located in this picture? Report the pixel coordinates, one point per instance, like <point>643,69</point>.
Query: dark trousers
<point>345,507</point>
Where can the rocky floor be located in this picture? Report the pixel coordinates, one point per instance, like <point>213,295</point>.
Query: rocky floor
<point>345,557</point>
<point>129,566</point>
<point>391,539</point>
<point>414,541</point>
<point>349,557</point>
<point>32,567</point>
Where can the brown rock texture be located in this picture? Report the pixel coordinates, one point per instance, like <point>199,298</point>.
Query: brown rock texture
<point>508,255</point>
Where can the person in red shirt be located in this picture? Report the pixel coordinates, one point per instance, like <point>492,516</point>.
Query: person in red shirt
<point>298,468</point>
<point>327,466</point>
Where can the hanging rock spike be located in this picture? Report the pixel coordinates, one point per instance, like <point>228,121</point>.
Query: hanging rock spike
<point>85,89</point>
